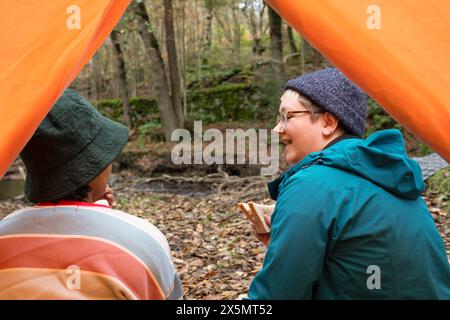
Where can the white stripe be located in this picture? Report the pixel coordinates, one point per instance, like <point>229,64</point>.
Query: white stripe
<point>18,212</point>
<point>137,222</point>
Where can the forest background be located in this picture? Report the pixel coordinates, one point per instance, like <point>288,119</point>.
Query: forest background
<point>169,63</point>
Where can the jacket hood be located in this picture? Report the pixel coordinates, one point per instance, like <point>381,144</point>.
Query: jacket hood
<point>381,158</point>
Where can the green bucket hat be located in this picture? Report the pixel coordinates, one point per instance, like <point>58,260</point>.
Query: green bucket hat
<point>72,146</point>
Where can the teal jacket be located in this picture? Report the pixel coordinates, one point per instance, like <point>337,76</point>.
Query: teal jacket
<point>350,223</point>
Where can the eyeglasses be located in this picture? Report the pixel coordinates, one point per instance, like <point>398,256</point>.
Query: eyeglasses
<point>283,117</point>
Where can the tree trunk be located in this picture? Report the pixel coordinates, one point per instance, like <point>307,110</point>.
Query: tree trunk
<point>174,71</point>
<point>121,76</point>
<point>292,44</point>
<point>236,31</point>
<point>208,36</point>
<point>317,58</point>
<point>160,85</point>
<point>96,75</point>
<point>255,32</point>
<point>258,40</point>
<point>313,55</point>
<point>302,55</point>
<point>182,57</point>
<point>276,42</point>
<point>226,32</point>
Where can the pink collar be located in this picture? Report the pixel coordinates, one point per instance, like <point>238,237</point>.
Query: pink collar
<point>71,203</point>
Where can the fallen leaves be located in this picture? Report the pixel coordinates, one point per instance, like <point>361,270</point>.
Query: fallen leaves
<point>213,246</point>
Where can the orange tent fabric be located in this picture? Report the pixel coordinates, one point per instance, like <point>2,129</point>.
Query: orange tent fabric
<point>397,51</point>
<point>44,45</point>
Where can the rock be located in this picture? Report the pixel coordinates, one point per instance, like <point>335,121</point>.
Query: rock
<point>430,164</point>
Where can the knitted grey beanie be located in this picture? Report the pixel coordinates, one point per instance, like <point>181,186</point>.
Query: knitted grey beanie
<point>336,94</point>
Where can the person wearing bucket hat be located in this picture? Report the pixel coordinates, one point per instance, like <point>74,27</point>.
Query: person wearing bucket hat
<point>72,146</point>
<point>349,220</point>
<point>73,245</point>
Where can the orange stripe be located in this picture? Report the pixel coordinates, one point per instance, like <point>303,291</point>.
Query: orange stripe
<point>88,254</point>
<point>57,284</point>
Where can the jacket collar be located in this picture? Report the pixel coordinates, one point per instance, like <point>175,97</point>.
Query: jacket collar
<point>340,138</point>
<point>311,159</point>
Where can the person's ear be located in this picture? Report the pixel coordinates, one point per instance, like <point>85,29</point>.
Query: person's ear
<point>329,124</point>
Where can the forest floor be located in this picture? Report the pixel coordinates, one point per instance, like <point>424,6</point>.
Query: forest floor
<point>213,245</point>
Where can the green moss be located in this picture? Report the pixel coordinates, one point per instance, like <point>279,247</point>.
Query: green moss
<point>226,102</point>
<point>377,119</point>
<point>423,150</point>
<point>110,108</point>
<point>208,76</point>
<point>150,132</point>
<point>439,184</point>
<point>142,110</point>
<point>143,105</point>
<point>225,88</point>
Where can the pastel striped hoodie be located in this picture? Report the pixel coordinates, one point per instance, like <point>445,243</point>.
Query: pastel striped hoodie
<point>77,250</point>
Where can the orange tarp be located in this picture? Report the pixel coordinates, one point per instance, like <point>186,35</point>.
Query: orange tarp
<point>397,51</point>
<point>44,45</point>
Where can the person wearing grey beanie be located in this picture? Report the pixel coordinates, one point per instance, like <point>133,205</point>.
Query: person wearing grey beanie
<point>336,108</point>
<point>349,220</point>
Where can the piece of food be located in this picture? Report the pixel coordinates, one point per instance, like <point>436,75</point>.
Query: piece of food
<point>255,213</point>
<point>245,208</point>
<point>259,210</point>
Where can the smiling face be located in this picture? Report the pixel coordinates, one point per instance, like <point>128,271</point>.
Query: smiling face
<point>300,134</point>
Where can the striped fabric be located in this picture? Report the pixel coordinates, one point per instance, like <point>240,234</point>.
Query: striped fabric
<point>76,250</point>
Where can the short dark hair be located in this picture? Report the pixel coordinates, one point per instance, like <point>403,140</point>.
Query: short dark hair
<point>307,103</point>
<point>78,195</point>
<point>312,107</point>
